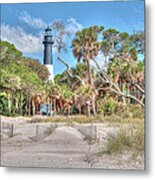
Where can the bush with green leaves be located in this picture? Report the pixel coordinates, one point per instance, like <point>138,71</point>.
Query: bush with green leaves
<point>130,111</point>
<point>107,106</point>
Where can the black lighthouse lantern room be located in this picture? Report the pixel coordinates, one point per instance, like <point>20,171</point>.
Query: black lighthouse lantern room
<point>48,46</point>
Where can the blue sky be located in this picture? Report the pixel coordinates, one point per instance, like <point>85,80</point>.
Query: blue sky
<point>23,24</point>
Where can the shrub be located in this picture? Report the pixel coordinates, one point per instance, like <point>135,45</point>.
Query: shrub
<point>130,111</point>
<point>126,139</point>
<point>118,142</point>
<point>139,139</point>
<point>107,106</point>
<point>137,111</point>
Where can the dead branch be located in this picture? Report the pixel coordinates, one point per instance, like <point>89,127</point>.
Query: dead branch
<point>69,69</point>
<point>114,88</point>
<point>124,95</point>
<point>139,88</point>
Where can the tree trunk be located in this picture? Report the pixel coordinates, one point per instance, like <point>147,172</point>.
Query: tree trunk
<point>54,105</point>
<point>51,110</point>
<point>29,106</point>
<point>88,109</point>
<point>94,105</point>
<point>21,104</point>
<point>17,100</point>
<point>9,103</point>
<point>48,107</point>
<point>33,107</point>
<point>79,109</point>
<point>89,72</point>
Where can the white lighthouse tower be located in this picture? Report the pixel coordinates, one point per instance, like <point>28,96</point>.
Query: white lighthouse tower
<point>48,62</point>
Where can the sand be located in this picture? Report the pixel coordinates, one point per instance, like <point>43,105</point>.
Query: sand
<point>65,147</point>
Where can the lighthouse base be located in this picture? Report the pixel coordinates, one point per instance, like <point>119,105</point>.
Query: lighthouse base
<point>51,74</point>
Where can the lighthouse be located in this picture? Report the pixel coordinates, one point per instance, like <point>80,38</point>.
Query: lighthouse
<point>48,61</point>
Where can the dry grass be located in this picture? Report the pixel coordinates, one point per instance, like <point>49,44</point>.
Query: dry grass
<point>70,120</point>
<point>127,139</point>
<point>50,129</point>
<point>125,114</point>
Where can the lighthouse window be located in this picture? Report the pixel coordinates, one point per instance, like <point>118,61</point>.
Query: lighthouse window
<point>48,32</point>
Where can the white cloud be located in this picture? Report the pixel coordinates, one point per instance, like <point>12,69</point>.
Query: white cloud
<point>100,60</point>
<point>65,32</point>
<point>37,23</point>
<point>26,42</point>
<point>73,26</point>
<point>29,43</point>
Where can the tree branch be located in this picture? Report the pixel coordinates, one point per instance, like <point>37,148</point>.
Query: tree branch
<point>139,88</point>
<point>128,96</point>
<point>114,88</point>
<point>124,95</point>
<point>69,69</point>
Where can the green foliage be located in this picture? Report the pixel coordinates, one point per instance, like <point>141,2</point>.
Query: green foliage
<point>124,35</point>
<point>66,92</point>
<point>107,106</point>
<point>8,52</point>
<point>118,111</point>
<point>3,103</point>
<point>130,111</point>
<point>66,84</point>
<point>62,79</point>
<point>141,66</point>
<point>110,107</point>
<point>85,45</point>
<point>59,78</point>
<point>20,78</point>
<point>137,38</point>
<point>80,70</point>
<point>35,66</point>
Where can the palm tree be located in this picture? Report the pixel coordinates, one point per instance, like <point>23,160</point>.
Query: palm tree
<point>86,47</point>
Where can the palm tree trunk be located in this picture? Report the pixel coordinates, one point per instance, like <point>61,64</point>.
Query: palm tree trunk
<point>9,103</point>
<point>89,72</point>
<point>51,104</point>
<point>88,109</point>
<point>54,104</point>
<point>48,104</point>
<point>94,105</point>
<point>33,107</point>
<point>16,105</point>
<point>79,109</point>
<point>21,104</point>
<point>29,106</point>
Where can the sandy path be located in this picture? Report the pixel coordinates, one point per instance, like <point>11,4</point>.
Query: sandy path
<point>64,148</point>
<point>66,156</point>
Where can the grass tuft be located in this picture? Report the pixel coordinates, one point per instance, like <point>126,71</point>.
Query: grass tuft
<point>71,120</point>
<point>50,129</point>
<point>126,139</point>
